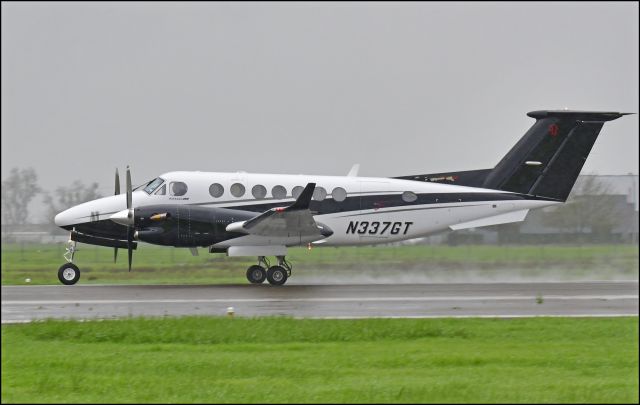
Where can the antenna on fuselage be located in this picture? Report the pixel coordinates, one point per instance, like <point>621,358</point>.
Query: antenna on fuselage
<point>354,170</point>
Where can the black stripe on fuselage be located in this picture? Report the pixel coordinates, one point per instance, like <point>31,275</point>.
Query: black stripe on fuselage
<point>109,229</point>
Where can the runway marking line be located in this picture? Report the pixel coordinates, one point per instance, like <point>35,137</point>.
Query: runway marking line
<point>320,299</point>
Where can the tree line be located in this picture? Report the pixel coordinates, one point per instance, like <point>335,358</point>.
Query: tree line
<point>20,187</point>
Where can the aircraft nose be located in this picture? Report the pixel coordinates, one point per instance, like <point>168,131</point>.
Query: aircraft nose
<point>63,218</point>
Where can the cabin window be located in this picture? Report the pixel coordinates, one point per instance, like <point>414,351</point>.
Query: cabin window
<point>178,188</point>
<point>339,194</point>
<point>279,192</point>
<point>297,190</point>
<point>237,190</point>
<point>216,190</point>
<point>259,191</point>
<point>409,196</point>
<point>153,184</point>
<point>162,190</point>
<point>319,194</point>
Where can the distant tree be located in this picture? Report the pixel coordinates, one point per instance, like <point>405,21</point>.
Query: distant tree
<point>590,207</point>
<point>18,189</point>
<point>67,197</point>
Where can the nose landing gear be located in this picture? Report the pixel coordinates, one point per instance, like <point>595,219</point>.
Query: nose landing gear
<point>69,273</point>
<point>276,275</point>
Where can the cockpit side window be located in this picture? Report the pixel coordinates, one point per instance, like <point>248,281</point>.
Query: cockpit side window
<point>162,190</point>
<point>153,185</point>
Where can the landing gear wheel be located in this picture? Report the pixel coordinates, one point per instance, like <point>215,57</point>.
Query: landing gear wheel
<point>277,275</point>
<point>256,274</point>
<point>68,274</point>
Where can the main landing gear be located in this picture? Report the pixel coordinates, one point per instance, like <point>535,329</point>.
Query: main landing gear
<point>69,273</point>
<point>276,275</point>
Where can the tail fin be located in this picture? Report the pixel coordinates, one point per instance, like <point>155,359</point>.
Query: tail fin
<point>548,158</point>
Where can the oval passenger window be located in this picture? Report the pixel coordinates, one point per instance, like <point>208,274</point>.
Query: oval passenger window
<point>216,190</point>
<point>409,196</point>
<point>319,194</point>
<point>297,190</point>
<point>237,190</point>
<point>259,191</point>
<point>339,194</point>
<point>279,192</point>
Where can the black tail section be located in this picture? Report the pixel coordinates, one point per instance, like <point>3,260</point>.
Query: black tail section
<point>545,162</point>
<point>549,157</point>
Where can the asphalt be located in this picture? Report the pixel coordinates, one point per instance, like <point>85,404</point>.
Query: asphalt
<point>598,298</point>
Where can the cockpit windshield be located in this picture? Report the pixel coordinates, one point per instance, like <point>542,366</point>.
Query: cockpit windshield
<point>153,185</point>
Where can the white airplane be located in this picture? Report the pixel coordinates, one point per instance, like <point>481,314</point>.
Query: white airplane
<point>244,214</point>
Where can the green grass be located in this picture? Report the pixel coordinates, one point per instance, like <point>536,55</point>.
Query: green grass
<point>164,265</point>
<point>198,359</point>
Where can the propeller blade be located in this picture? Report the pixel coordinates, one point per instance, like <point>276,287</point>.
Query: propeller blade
<point>130,252</point>
<point>128,188</point>
<point>129,248</point>
<point>117,182</point>
<point>115,254</point>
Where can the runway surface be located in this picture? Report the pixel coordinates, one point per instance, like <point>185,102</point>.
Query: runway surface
<point>27,303</point>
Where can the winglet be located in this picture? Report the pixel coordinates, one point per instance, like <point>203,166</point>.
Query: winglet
<point>302,203</point>
<point>354,170</point>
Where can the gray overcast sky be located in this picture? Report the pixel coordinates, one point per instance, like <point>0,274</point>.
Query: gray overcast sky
<point>305,88</point>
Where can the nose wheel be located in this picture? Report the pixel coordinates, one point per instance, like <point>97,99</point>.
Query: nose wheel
<point>68,274</point>
<point>276,275</point>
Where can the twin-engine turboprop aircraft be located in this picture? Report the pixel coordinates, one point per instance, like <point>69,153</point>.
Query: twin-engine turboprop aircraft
<point>243,214</point>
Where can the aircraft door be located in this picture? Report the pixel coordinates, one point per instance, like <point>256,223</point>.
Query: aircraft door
<point>183,226</point>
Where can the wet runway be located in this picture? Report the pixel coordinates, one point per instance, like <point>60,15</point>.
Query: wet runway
<point>598,298</point>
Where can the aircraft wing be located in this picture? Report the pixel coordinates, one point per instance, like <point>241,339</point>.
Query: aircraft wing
<point>295,220</point>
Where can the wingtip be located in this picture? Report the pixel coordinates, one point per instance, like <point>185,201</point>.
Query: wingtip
<point>303,200</point>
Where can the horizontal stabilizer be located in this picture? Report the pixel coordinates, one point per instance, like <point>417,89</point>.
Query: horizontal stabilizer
<point>515,216</point>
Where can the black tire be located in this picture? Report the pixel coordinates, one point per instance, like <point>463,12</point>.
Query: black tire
<point>68,274</point>
<point>256,274</point>
<point>277,275</point>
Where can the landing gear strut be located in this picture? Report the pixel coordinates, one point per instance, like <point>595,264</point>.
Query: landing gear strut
<point>69,273</point>
<point>276,275</point>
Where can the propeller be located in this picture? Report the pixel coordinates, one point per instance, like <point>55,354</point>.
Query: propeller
<point>126,217</point>
<point>117,182</point>
<point>115,249</point>
<point>131,218</point>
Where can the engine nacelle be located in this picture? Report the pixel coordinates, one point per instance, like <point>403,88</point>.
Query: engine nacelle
<point>185,225</point>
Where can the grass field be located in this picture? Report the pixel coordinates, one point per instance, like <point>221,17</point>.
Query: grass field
<point>197,359</point>
<point>153,264</point>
